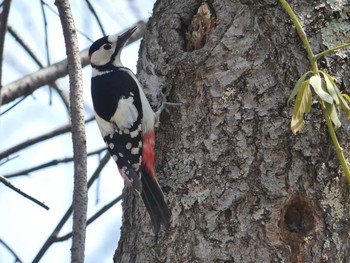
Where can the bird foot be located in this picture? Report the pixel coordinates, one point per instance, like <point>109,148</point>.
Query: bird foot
<point>163,106</point>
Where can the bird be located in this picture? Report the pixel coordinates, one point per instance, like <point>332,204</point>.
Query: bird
<point>127,123</point>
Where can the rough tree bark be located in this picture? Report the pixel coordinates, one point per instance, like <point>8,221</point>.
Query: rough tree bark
<point>241,186</point>
<point>80,191</point>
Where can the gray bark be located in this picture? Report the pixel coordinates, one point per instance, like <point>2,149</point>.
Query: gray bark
<point>80,191</point>
<point>240,185</point>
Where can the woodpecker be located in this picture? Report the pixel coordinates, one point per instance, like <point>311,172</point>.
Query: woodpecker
<point>126,122</point>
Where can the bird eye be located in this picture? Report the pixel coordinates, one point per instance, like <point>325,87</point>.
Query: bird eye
<point>107,46</point>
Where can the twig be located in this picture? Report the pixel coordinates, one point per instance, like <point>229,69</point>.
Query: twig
<point>8,159</point>
<point>13,105</point>
<point>45,31</point>
<point>338,148</point>
<point>17,259</point>
<point>46,44</point>
<point>26,47</point>
<point>8,184</point>
<point>332,50</point>
<point>301,34</point>
<point>32,82</point>
<point>92,10</point>
<point>80,195</point>
<point>3,25</point>
<point>52,238</point>
<point>55,12</point>
<point>94,217</point>
<point>49,164</point>
<point>53,235</point>
<point>46,136</point>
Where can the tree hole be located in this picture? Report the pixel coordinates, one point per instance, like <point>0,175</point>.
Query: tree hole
<point>200,27</point>
<point>298,218</point>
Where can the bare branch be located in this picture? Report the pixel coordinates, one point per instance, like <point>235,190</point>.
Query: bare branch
<point>17,259</point>
<point>49,164</point>
<point>11,186</point>
<point>46,136</point>
<point>25,46</point>
<point>94,217</point>
<point>80,198</point>
<point>8,159</point>
<point>3,25</point>
<point>92,10</point>
<point>45,76</point>
<point>28,84</point>
<point>55,12</point>
<point>13,105</point>
<point>52,238</point>
<point>46,33</point>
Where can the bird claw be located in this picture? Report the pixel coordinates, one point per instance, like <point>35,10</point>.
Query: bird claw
<point>163,106</point>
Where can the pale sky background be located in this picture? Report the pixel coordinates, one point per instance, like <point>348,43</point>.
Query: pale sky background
<point>24,225</point>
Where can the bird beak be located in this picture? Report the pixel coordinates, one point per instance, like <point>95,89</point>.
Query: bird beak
<point>123,38</point>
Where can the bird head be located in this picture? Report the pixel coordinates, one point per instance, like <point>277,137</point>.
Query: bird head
<point>106,50</point>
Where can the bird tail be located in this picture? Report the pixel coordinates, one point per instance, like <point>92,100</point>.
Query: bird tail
<point>153,198</point>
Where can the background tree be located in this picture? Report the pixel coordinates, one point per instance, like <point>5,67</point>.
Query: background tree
<point>241,186</point>
<point>35,142</point>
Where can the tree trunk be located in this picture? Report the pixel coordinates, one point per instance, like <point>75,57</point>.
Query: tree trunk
<point>240,185</point>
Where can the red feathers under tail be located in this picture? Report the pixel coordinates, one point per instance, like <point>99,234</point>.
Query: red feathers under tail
<point>152,194</point>
<point>148,141</point>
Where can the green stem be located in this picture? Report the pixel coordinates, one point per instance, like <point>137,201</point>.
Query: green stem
<point>331,50</point>
<point>301,34</point>
<point>336,144</point>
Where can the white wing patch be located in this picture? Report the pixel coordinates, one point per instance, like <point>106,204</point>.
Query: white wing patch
<point>126,114</point>
<point>149,117</point>
<point>106,128</point>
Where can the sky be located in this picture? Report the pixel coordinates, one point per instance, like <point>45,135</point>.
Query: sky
<point>25,226</point>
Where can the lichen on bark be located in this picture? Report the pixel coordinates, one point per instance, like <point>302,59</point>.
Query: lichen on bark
<point>228,163</point>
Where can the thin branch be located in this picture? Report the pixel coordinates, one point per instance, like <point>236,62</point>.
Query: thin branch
<point>42,3</point>
<point>55,12</point>
<point>80,195</point>
<point>3,25</point>
<point>301,34</point>
<point>94,217</point>
<point>11,186</point>
<point>54,85</point>
<point>24,45</point>
<point>17,259</point>
<point>92,10</point>
<point>46,136</point>
<point>62,94</point>
<point>45,76</point>
<point>13,105</point>
<point>319,55</point>
<point>338,148</point>
<point>52,238</point>
<point>8,159</point>
<point>46,44</point>
<point>53,235</point>
<point>49,164</point>
<point>30,83</point>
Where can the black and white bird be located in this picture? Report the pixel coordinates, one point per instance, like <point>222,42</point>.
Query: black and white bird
<point>127,122</point>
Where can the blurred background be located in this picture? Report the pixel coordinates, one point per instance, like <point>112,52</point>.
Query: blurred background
<point>25,226</point>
